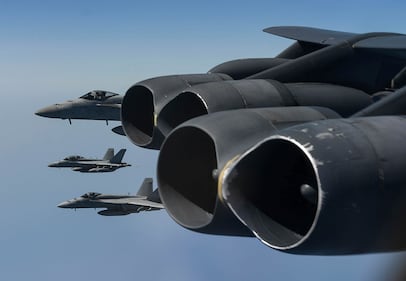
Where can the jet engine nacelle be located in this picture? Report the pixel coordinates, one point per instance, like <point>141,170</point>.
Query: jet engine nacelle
<point>325,187</point>
<point>193,154</point>
<point>220,96</point>
<point>144,100</point>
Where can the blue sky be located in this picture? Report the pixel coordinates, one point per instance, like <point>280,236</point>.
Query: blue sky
<point>52,51</point>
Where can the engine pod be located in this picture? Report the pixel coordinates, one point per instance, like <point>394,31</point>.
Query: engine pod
<point>144,100</point>
<point>353,168</point>
<point>227,95</point>
<point>195,151</point>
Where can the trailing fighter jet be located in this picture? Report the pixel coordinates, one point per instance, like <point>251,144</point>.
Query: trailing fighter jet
<point>109,163</point>
<point>119,205</point>
<point>95,105</point>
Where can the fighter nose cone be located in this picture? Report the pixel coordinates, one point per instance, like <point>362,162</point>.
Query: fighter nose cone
<point>63,204</point>
<point>51,111</point>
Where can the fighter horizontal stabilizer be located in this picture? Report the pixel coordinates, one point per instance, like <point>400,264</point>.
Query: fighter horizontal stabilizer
<point>119,130</point>
<point>310,34</point>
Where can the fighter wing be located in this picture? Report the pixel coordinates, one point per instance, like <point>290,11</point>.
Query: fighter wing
<point>133,201</point>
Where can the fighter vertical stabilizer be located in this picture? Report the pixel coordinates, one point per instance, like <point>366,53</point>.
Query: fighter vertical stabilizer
<point>109,154</point>
<point>118,157</point>
<point>145,188</point>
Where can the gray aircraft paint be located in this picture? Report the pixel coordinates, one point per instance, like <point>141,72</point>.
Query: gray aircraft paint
<point>109,163</point>
<point>118,205</point>
<point>95,105</point>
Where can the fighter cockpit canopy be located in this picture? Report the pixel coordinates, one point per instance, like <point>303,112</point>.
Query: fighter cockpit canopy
<point>98,95</point>
<point>74,158</point>
<point>90,195</point>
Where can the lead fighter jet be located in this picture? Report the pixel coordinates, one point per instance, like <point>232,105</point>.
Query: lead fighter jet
<point>109,163</point>
<point>95,105</point>
<point>118,205</point>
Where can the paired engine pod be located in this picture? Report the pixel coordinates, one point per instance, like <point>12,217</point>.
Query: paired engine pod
<point>220,96</point>
<point>326,187</point>
<point>144,100</point>
<point>194,153</point>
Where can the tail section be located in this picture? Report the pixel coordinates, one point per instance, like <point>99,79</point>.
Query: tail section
<point>109,154</point>
<point>145,188</point>
<point>118,157</point>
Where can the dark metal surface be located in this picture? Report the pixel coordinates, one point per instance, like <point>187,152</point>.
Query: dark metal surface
<point>143,102</point>
<point>231,165</point>
<point>202,146</point>
<point>355,167</point>
<point>221,96</point>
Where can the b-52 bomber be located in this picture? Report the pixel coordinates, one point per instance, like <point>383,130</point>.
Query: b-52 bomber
<point>95,105</point>
<point>304,151</point>
<point>109,163</point>
<point>119,205</point>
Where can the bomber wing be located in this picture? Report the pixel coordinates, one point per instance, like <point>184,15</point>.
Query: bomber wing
<point>310,34</point>
<point>393,42</point>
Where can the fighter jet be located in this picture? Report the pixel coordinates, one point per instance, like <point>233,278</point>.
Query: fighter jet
<point>118,205</point>
<point>95,105</point>
<point>109,163</point>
